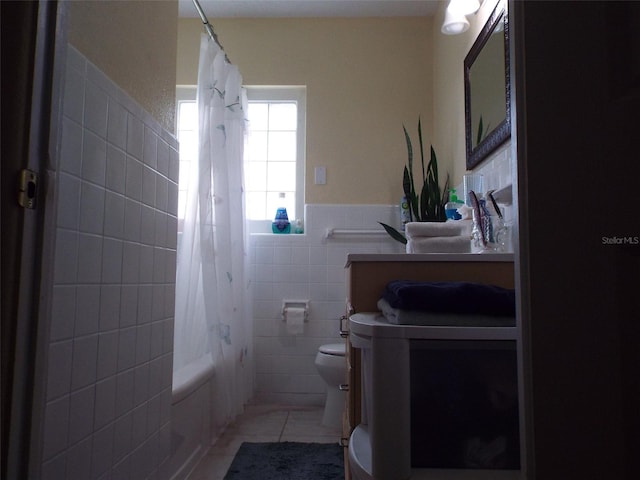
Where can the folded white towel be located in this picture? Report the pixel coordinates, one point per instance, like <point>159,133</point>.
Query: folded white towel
<point>415,317</point>
<point>433,229</point>
<point>466,226</point>
<point>459,244</point>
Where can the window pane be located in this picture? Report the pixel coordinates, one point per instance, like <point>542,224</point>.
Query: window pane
<point>187,133</point>
<point>256,147</point>
<point>255,178</point>
<point>182,203</point>
<point>258,114</point>
<point>255,206</point>
<point>281,176</point>
<point>283,116</point>
<point>282,146</point>
<point>274,202</point>
<point>188,116</point>
<point>188,145</point>
<point>184,176</point>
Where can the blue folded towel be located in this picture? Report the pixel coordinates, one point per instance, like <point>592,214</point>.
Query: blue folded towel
<point>451,297</point>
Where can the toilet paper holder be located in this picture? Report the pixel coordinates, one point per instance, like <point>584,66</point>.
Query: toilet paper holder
<point>286,304</point>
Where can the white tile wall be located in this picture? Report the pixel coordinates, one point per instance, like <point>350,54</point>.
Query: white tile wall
<point>497,168</point>
<point>496,172</point>
<point>306,267</point>
<point>108,386</point>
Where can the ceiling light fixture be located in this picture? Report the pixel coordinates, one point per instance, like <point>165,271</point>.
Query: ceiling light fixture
<point>455,20</point>
<point>465,7</point>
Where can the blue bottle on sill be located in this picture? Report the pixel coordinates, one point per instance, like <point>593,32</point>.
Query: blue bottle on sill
<point>281,223</point>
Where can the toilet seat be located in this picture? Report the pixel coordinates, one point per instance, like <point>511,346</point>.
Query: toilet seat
<point>337,349</point>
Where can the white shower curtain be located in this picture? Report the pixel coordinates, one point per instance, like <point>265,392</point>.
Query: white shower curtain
<point>212,294</point>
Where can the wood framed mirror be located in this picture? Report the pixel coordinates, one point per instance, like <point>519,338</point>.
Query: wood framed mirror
<point>487,94</point>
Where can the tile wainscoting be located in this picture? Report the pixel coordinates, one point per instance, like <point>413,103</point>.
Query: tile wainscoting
<point>110,342</point>
<point>307,267</point>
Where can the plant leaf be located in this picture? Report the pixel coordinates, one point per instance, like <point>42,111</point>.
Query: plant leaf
<point>406,182</point>
<point>433,167</point>
<point>445,198</point>
<point>409,157</point>
<point>424,203</point>
<point>393,233</point>
<point>421,148</point>
<point>406,188</point>
<point>414,207</point>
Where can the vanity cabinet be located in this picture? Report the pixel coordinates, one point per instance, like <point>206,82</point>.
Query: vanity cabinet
<point>367,275</point>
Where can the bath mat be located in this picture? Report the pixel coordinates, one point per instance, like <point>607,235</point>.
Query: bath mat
<point>287,461</point>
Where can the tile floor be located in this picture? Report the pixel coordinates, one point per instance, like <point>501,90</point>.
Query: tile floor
<point>264,423</point>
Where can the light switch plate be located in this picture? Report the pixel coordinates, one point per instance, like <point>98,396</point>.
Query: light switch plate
<point>320,174</point>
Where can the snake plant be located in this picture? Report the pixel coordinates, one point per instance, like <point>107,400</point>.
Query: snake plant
<point>427,205</point>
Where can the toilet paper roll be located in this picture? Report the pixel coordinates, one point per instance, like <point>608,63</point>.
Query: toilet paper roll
<point>294,319</point>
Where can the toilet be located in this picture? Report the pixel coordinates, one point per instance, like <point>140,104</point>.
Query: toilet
<point>331,366</point>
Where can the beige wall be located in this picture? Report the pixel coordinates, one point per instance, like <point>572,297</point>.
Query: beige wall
<point>448,88</point>
<point>365,78</point>
<point>134,43</point>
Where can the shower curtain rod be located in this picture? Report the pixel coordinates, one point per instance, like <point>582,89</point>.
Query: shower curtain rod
<point>209,28</point>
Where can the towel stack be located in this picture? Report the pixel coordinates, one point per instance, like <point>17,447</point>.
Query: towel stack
<point>409,302</point>
<point>438,237</point>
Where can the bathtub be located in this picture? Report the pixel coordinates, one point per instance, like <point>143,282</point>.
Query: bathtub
<point>190,416</point>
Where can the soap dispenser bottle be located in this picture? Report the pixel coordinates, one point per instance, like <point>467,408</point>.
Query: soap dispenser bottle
<point>452,206</point>
<point>281,223</point>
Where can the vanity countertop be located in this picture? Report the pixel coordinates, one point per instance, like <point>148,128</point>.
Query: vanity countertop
<point>429,257</point>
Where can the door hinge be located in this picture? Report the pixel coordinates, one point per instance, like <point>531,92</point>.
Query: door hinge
<point>28,189</point>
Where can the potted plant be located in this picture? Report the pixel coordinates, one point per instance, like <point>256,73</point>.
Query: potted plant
<point>426,205</point>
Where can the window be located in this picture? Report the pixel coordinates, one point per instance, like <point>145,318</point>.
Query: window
<point>187,133</point>
<point>274,152</point>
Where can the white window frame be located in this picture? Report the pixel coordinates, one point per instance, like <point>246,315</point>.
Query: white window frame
<point>288,94</point>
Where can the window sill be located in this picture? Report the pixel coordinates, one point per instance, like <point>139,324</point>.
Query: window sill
<point>271,234</point>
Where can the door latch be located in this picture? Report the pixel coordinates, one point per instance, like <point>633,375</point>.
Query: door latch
<point>28,189</point>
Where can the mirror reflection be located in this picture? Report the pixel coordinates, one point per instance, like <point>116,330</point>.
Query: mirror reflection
<point>487,89</point>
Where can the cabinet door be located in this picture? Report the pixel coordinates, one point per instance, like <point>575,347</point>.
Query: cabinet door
<point>350,417</point>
